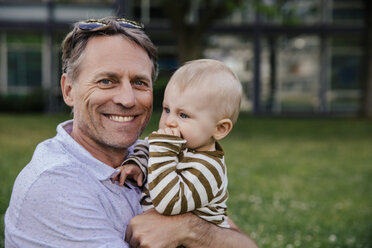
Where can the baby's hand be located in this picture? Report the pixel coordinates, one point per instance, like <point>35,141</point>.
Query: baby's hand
<point>130,171</point>
<point>169,131</point>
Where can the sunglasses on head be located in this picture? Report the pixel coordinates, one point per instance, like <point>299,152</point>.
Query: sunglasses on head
<point>92,24</point>
<point>95,23</point>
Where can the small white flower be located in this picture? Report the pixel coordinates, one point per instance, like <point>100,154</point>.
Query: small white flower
<point>297,243</point>
<point>332,238</point>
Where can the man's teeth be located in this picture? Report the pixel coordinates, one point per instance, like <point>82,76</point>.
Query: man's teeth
<point>121,118</point>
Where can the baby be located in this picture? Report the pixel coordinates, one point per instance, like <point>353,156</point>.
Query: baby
<point>186,170</point>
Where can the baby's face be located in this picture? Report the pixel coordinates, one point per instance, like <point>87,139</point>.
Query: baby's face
<point>191,112</point>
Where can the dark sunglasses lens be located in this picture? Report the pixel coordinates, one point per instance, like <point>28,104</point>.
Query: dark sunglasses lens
<point>89,26</point>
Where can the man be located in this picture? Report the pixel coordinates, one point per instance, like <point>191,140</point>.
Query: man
<point>65,196</point>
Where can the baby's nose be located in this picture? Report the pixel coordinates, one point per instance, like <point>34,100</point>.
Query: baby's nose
<point>171,121</point>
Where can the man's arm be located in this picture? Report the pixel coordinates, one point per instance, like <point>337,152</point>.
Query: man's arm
<point>151,229</point>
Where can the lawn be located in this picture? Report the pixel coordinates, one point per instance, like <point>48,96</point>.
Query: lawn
<point>292,182</point>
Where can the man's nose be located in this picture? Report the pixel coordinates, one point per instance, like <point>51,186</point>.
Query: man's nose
<point>125,95</point>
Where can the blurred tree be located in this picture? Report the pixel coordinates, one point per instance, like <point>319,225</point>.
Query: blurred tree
<point>283,11</point>
<point>190,21</point>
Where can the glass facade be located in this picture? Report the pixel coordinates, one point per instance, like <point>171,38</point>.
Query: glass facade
<point>236,52</point>
<point>346,65</point>
<point>303,55</point>
<point>347,12</point>
<point>290,74</point>
<point>24,61</point>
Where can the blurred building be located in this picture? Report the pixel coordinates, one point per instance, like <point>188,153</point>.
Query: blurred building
<point>294,56</point>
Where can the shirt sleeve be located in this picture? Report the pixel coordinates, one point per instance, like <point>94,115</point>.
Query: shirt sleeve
<point>59,210</point>
<point>178,189</point>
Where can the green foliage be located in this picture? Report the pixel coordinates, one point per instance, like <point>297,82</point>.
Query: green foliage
<point>32,102</point>
<point>282,10</point>
<point>29,38</point>
<point>158,90</point>
<point>292,182</point>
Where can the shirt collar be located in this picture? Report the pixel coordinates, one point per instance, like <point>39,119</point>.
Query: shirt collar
<point>95,167</point>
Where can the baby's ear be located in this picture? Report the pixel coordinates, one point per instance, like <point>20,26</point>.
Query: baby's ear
<point>223,128</point>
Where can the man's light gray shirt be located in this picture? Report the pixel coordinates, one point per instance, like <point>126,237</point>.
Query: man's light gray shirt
<point>65,198</point>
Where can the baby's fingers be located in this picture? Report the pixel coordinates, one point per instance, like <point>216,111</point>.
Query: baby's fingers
<point>176,132</point>
<point>123,177</point>
<point>140,180</point>
<point>160,131</point>
<point>116,178</point>
<point>169,131</point>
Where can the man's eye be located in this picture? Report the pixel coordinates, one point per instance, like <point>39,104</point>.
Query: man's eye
<point>139,83</point>
<point>105,81</point>
<point>184,116</point>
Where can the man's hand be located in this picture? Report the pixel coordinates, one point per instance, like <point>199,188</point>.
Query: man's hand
<point>151,229</point>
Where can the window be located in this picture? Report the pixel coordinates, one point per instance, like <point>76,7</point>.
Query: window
<point>24,61</point>
<point>346,73</point>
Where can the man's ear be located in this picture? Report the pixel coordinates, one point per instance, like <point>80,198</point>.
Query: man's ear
<point>223,128</point>
<point>67,90</point>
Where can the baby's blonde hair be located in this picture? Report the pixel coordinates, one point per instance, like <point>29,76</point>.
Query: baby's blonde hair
<point>221,82</point>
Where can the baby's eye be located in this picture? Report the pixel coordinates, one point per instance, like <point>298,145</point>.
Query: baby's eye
<point>166,110</point>
<point>184,116</point>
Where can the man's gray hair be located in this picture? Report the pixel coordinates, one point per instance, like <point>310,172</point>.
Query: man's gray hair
<point>75,43</point>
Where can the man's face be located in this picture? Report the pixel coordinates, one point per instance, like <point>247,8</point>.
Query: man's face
<point>112,95</point>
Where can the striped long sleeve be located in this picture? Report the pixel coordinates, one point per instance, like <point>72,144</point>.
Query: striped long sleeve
<point>140,157</point>
<point>181,180</point>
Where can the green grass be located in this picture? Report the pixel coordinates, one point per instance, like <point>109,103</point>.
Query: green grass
<point>292,182</point>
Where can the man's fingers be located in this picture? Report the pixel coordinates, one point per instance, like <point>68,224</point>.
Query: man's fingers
<point>134,242</point>
<point>130,239</point>
<point>128,234</point>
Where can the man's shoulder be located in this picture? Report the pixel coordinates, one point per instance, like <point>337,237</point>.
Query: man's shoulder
<point>50,155</point>
<point>49,160</point>
<point>49,170</point>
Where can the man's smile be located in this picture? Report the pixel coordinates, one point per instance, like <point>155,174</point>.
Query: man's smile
<point>120,118</point>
